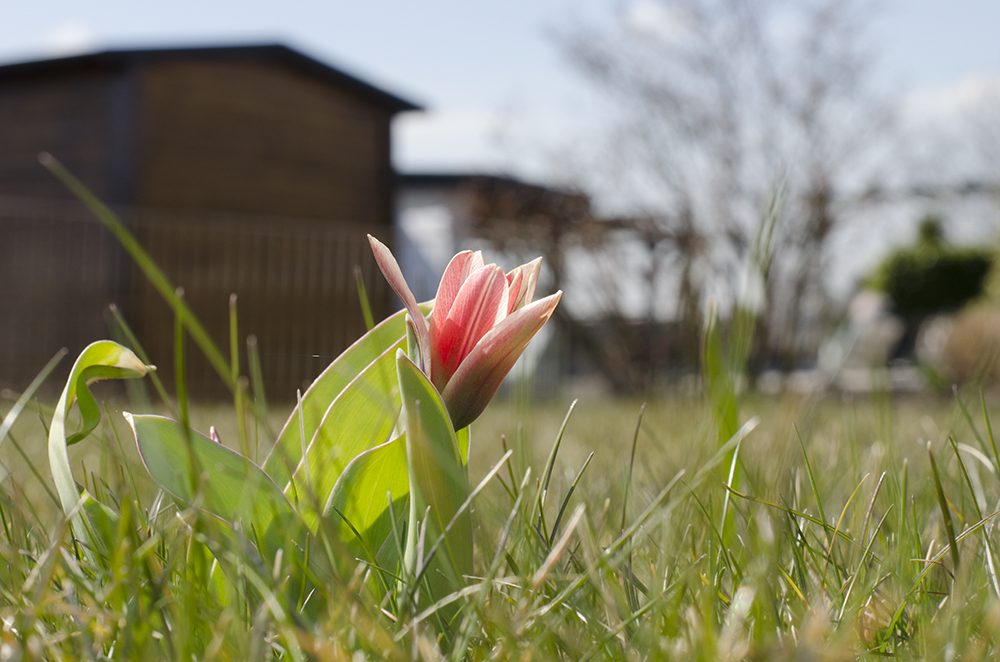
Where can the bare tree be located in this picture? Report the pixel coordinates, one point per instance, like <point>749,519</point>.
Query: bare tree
<point>524,221</point>
<point>718,102</point>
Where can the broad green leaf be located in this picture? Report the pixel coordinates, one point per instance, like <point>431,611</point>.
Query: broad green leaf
<point>360,499</point>
<point>100,360</point>
<point>360,502</point>
<point>362,416</point>
<point>316,401</point>
<point>438,480</point>
<point>195,469</point>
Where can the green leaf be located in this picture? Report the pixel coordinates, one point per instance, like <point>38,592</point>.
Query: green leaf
<point>464,437</point>
<point>359,503</point>
<point>100,360</point>
<point>439,481</point>
<point>195,469</point>
<point>363,415</point>
<point>318,399</point>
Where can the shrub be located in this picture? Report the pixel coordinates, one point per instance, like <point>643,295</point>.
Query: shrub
<point>931,276</point>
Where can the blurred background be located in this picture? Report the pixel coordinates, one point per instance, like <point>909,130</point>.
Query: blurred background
<point>831,167</point>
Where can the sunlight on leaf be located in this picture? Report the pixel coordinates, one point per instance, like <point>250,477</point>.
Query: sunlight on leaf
<point>100,360</point>
<point>360,501</point>
<point>438,480</point>
<point>318,399</point>
<point>195,469</point>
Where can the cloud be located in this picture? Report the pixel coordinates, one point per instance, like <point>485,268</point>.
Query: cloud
<point>969,94</point>
<point>69,38</point>
<point>648,18</point>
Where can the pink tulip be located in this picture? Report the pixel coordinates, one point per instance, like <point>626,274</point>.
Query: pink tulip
<point>481,323</point>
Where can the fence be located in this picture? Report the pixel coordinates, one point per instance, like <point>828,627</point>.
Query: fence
<point>294,278</point>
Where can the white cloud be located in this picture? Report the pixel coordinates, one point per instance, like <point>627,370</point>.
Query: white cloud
<point>649,18</point>
<point>971,93</point>
<point>69,38</point>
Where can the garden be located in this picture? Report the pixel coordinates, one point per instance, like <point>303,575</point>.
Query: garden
<point>394,513</point>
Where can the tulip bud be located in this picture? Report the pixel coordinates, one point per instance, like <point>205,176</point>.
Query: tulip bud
<point>482,321</point>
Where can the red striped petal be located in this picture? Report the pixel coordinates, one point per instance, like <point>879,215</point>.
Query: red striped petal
<point>515,279</point>
<point>480,374</point>
<point>451,282</point>
<point>480,304</point>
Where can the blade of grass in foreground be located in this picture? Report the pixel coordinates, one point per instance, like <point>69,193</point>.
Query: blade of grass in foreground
<point>718,378</point>
<point>153,272</point>
<point>539,507</point>
<point>11,417</point>
<point>943,503</point>
<point>136,346</point>
<point>240,391</point>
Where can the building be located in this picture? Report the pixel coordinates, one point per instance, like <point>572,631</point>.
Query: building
<point>251,169</point>
<point>613,327</point>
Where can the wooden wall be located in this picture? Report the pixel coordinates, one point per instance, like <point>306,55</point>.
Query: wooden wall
<point>60,269</point>
<point>261,137</point>
<point>225,133</point>
<point>295,288</point>
<point>69,115</point>
<point>241,174</point>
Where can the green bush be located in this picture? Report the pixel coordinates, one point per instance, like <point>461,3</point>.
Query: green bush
<point>931,276</point>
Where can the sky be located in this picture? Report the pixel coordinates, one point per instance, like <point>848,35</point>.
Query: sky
<point>500,96</point>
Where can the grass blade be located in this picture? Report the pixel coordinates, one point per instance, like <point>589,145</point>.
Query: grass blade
<point>24,398</point>
<point>943,503</point>
<point>155,275</point>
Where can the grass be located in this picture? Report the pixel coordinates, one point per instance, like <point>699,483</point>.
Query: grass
<point>835,545</point>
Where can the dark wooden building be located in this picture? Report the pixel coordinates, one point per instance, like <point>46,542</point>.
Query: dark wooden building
<point>255,170</point>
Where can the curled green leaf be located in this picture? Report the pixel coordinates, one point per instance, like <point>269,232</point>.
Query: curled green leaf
<point>100,360</point>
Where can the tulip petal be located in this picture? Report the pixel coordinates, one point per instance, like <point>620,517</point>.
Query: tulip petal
<point>394,275</point>
<point>455,273</point>
<point>480,374</point>
<point>481,303</point>
<point>529,279</point>
<point>515,279</point>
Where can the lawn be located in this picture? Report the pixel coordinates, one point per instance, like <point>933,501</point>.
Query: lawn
<point>699,573</point>
<point>723,526</point>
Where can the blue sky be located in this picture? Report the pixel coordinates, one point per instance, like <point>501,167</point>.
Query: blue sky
<point>499,94</point>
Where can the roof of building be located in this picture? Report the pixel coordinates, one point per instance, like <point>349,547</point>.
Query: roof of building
<point>460,179</point>
<point>482,182</point>
<point>123,58</point>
